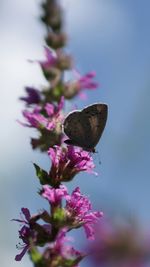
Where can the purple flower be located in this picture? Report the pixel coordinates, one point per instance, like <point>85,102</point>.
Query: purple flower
<point>32,233</point>
<point>50,60</point>
<point>48,121</point>
<point>25,233</point>
<point>54,195</point>
<point>77,211</point>
<point>86,81</point>
<point>35,118</point>
<point>80,83</point>
<point>60,251</point>
<point>79,208</point>
<point>33,96</point>
<point>60,246</point>
<point>68,161</point>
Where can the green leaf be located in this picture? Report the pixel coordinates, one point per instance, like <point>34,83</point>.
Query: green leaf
<point>42,175</point>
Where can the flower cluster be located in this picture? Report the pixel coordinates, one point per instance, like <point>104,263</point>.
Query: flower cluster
<point>41,112</point>
<point>77,212</point>
<point>67,161</point>
<point>48,117</point>
<point>45,235</point>
<point>61,253</point>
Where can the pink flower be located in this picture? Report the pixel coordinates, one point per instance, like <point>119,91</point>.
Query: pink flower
<point>50,59</point>
<point>60,245</point>
<point>79,208</point>
<point>63,250</point>
<point>86,81</point>
<point>54,195</point>
<point>79,83</point>
<point>49,120</point>
<point>68,161</point>
<point>77,211</point>
<point>35,118</point>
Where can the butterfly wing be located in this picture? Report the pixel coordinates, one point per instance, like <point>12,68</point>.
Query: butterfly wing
<point>95,117</point>
<point>84,128</point>
<point>74,128</point>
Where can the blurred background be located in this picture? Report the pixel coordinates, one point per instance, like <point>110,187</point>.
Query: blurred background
<point>112,38</point>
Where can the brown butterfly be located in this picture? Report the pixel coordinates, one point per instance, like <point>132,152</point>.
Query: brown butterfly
<point>85,127</point>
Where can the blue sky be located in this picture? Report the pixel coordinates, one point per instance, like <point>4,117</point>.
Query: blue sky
<point>113,38</point>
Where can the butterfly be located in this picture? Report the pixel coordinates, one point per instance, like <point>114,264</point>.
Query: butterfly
<point>85,127</point>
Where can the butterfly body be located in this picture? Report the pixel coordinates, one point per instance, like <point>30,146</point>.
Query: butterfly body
<point>84,128</point>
